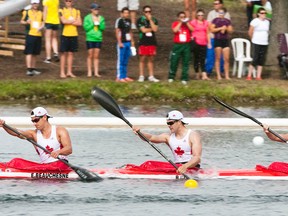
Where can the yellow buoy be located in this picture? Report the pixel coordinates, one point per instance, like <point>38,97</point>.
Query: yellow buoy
<point>191,183</point>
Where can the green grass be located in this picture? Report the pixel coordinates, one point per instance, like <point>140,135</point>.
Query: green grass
<point>196,92</point>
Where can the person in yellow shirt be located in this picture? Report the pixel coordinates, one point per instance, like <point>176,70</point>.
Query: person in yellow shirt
<point>70,18</point>
<point>52,24</point>
<point>33,19</point>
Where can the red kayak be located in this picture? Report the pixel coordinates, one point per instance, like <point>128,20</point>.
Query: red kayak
<point>147,170</point>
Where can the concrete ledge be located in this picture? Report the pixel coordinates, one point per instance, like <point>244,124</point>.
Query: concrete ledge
<point>88,122</point>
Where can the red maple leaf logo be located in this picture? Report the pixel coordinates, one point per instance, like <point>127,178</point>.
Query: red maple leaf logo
<point>179,151</point>
<point>49,149</point>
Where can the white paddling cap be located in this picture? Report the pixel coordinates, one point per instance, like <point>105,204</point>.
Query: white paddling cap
<point>39,112</point>
<point>176,115</point>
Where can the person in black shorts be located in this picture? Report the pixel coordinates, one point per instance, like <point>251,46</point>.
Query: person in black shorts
<point>71,19</point>
<point>222,27</point>
<point>52,25</point>
<point>33,19</point>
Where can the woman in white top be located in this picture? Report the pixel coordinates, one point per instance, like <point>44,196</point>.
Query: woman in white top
<point>259,33</point>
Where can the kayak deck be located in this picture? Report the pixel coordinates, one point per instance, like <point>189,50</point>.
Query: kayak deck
<point>131,171</point>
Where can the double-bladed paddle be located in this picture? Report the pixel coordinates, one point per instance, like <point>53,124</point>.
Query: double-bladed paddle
<point>233,109</point>
<point>84,174</point>
<point>108,103</point>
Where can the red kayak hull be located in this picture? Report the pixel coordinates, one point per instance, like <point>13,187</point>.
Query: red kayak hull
<point>134,171</point>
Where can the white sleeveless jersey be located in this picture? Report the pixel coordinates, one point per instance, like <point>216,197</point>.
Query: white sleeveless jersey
<point>51,144</point>
<point>181,149</point>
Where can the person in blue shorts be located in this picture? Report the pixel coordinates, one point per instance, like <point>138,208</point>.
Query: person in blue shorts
<point>94,25</point>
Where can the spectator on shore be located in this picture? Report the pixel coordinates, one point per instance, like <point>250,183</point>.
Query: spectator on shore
<point>94,25</point>
<point>71,19</point>
<point>266,4</point>
<point>148,26</point>
<point>133,6</point>
<point>181,47</point>
<point>259,33</point>
<point>125,41</point>
<point>33,19</point>
<point>190,8</point>
<point>201,41</point>
<point>249,9</point>
<point>222,27</point>
<point>210,55</point>
<point>52,25</point>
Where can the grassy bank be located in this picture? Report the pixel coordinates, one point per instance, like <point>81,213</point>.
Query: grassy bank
<point>47,88</point>
<point>266,92</point>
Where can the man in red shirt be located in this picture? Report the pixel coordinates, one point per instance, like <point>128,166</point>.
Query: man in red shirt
<point>181,48</point>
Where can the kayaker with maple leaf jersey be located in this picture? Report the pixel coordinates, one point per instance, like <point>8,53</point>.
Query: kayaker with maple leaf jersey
<point>55,139</point>
<point>184,143</point>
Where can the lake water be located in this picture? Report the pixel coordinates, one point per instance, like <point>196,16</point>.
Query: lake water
<point>145,111</point>
<point>108,148</point>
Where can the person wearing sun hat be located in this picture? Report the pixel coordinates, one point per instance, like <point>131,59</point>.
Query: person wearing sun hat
<point>40,112</point>
<point>94,26</point>
<point>184,143</point>
<point>54,138</point>
<point>33,21</point>
<point>176,115</point>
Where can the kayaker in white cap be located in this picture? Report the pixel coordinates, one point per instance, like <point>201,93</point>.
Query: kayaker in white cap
<point>184,143</point>
<point>56,139</point>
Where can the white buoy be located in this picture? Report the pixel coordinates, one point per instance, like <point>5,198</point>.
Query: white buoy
<point>258,140</point>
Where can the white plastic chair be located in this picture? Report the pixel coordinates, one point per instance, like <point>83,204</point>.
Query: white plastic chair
<point>242,53</point>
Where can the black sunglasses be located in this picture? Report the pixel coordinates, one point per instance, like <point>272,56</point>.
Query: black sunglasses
<point>36,120</point>
<point>147,11</point>
<point>171,122</point>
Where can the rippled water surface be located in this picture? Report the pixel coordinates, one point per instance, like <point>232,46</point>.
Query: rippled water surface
<point>100,148</point>
<point>146,110</point>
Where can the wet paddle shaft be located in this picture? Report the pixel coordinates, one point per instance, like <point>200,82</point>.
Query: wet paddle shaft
<point>233,109</point>
<point>108,103</point>
<point>84,174</point>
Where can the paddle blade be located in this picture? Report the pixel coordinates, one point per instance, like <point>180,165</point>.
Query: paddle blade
<point>86,175</point>
<point>107,102</point>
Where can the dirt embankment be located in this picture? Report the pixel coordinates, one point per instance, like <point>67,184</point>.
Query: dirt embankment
<point>164,11</point>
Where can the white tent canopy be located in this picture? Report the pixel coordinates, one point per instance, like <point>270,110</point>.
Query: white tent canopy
<point>12,6</point>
